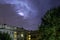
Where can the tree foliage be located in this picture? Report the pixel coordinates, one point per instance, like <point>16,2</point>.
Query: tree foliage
<point>4,36</point>
<point>50,26</point>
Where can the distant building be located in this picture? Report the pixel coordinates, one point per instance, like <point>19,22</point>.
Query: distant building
<point>28,36</point>
<point>16,33</point>
<point>34,35</point>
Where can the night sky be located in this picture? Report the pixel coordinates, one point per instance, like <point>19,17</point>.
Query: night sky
<point>25,13</point>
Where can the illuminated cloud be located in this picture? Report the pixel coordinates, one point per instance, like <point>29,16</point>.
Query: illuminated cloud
<point>21,13</point>
<point>22,6</point>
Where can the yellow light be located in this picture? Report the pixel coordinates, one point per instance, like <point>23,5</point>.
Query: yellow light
<point>22,35</point>
<point>15,34</point>
<point>15,39</point>
<point>29,38</point>
<point>29,35</point>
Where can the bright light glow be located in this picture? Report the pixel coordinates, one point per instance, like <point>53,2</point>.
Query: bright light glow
<point>29,38</point>
<point>15,34</point>
<point>22,35</point>
<point>29,35</point>
<point>21,13</point>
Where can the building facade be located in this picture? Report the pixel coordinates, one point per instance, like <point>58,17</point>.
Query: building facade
<point>15,33</point>
<point>34,35</point>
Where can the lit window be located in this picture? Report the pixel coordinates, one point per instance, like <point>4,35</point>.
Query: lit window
<point>29,38</point>
<point>22,35</point>
<point>15,34</point>
<point>29,35</point>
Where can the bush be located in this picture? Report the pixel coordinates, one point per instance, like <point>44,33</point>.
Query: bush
<point>4,36</point>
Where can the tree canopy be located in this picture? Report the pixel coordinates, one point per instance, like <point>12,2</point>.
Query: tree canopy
<point>50,26</point>
<point>4,36</point>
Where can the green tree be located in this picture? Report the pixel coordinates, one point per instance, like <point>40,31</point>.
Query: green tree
<point>4,36</point>
<point>50,26</point>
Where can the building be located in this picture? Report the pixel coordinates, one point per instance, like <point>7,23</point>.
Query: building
<point>28,36</point>
<point>15,33</point>
<point>34,35</point>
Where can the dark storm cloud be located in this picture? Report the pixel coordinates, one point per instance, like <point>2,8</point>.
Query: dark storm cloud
<point>55,3</point>
<point>9,16</point>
